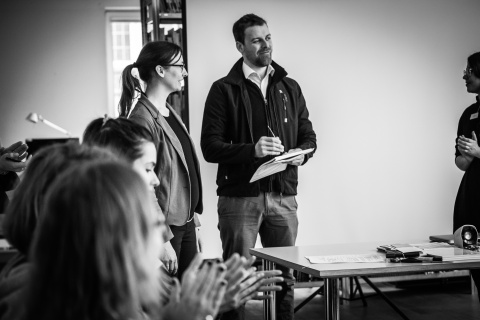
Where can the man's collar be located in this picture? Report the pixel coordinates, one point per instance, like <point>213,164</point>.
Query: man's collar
<point>247,71</point>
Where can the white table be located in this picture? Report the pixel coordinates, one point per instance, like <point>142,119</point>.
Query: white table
<point>294,257</point>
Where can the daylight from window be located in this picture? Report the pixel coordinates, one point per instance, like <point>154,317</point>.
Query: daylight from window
<point>126,45</point>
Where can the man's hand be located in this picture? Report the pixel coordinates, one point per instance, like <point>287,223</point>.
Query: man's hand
<point>268,146</point>
<point>169,258</point>
<point>298,160</point>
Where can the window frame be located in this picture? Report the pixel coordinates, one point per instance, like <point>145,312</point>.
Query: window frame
<point>114,14</point>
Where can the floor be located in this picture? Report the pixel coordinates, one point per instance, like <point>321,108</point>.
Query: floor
<point>418,301</point>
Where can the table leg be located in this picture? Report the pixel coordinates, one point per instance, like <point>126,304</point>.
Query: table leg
<point>332,309</point>
<point>269,312</point>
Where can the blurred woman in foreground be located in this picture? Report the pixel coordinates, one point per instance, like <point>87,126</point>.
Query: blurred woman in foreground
<point>23,213</point>
<point>132,142</point>
<point>95,253</point>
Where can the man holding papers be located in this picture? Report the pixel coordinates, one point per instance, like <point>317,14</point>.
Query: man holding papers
<point>253,114</point>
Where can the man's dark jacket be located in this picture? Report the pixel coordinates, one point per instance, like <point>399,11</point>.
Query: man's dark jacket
<point>227,136</point>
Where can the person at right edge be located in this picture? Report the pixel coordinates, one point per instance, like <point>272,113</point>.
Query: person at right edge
<point>467,157</point>
<point>252,114</point>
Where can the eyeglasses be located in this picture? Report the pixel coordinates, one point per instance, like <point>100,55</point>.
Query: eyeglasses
<point>468,72</point>
<point>176,65</point>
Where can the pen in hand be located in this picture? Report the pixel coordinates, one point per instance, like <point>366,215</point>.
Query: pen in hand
<point>273,134</point>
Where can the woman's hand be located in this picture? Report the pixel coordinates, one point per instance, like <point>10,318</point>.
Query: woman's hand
<point>469,147</point>
<point>169,258</point>
<point>12,156</point>
<point>267,283</point>
<point>200,294</point>
<point>242,291</point>
<point>244,282</point>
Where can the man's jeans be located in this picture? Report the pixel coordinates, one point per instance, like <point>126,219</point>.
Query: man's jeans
<point>274,218</point>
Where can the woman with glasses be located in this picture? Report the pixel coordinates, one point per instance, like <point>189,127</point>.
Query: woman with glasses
<point>467,156</point>
<point>160,66</point>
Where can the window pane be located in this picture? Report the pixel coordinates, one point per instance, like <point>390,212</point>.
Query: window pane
<point>126,45</point>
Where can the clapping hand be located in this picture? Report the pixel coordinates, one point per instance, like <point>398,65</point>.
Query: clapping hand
<point>244,282</point>
<point>12,156</point>
<point>200,294</point>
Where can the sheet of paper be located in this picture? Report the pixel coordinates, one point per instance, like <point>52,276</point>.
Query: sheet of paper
<point>288,156</point>
<point>349,258</point>
<point>268,169</point>
<point>275,165</point>
<point>431,245</point>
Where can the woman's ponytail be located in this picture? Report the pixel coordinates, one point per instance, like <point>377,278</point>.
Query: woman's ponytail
<point>130,84</point>
<point>152,54</point>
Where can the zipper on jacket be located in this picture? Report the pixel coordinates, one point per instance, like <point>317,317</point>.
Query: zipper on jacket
<point>226,174</point>
<point>284,98</point>
<point>244,99</point>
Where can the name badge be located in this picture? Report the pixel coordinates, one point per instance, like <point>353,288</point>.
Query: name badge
<point>474,116</point>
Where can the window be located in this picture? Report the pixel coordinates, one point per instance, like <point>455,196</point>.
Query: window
<point>124,42</point>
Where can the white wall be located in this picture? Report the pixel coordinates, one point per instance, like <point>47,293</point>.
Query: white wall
<point>383,83</point>
<point>53,62</point>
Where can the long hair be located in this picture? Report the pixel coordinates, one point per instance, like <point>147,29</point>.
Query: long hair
<point>474,63</point>
<point>90,256</point>
<point>23,211</point>
<point>152,54</point>
<point>122,136</point>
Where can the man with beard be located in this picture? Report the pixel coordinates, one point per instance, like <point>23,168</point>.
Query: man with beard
<point>251,115</point>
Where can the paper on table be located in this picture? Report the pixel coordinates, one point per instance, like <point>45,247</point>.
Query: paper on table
<point>431,245</point>
<point>277,164</point>
<point>448,252</point>
<point>361,258</point>
<point>4,245</point>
